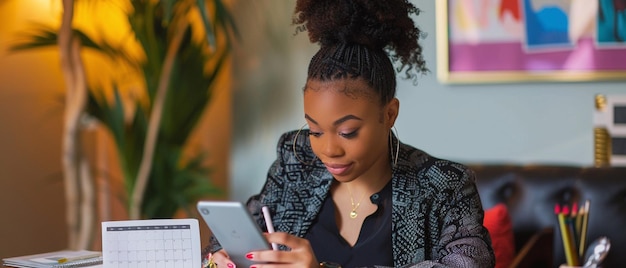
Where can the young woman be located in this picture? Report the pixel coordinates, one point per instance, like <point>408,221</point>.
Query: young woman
<point>346,192</point>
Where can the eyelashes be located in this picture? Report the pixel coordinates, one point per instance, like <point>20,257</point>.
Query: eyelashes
<point>349,135</point>
<point>315,134</point>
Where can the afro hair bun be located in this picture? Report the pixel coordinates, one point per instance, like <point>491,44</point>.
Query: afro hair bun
<point>374,23</point>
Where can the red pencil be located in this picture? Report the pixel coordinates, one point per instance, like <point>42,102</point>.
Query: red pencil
<point>565,210</point>
<point>569,248</point>
<point>557,209</point>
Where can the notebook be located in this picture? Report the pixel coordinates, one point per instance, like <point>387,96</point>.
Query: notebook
<point>151,243</point>
<point>57,259</point>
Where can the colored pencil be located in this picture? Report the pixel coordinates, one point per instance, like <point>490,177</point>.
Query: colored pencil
<point>571,222</point>
<point>579,221</point>
<point>583,230</point>
<point>568,245</point>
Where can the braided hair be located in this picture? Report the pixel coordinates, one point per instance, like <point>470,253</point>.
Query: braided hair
<point>360,39</point>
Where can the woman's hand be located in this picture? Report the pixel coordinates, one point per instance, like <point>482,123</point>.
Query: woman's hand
<point>300,255</point>
<point>222,259</point>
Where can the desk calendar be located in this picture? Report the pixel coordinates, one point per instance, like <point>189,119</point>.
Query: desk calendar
<point>164,243</point>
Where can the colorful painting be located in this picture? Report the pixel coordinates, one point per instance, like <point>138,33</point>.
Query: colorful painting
<point>521,40</point>
<point>611,26</point>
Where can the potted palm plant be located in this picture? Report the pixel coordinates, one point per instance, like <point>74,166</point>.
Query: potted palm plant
<point>178,73</point>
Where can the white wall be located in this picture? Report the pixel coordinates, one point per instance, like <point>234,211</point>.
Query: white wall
<point>513,123</point>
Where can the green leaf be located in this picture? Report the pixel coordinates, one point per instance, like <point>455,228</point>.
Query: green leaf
<point>41,36</point>
<point>168,6</point>
<point>210,34</point>
<point>189,94</point>
<point>174,185</point>
<point>225,19</point>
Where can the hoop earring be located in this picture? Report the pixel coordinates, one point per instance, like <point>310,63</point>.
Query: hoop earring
<point>295,140</point>
<point>394,157</point>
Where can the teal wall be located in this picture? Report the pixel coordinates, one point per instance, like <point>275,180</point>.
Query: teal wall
<point>523,123</point>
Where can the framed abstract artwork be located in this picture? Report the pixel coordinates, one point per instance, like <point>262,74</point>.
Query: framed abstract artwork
<point>485,41</point>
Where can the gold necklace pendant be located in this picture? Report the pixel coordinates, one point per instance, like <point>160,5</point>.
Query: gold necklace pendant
<point>353,214</point>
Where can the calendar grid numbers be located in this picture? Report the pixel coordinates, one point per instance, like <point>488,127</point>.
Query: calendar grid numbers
<point>151,243</point>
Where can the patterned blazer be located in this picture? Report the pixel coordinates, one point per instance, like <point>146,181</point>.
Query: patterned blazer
<point>437,214</point>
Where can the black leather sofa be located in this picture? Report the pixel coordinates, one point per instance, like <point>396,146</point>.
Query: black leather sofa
<point>530,193</point>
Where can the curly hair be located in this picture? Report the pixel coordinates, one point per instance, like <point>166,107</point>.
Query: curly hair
<point>360,38</point>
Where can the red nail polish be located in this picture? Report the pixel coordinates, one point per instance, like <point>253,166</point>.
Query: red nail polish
<point>230,265</point>
<point>253,266</point>
<point>249,256</point>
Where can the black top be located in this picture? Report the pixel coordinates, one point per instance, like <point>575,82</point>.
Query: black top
<point>373,247</point>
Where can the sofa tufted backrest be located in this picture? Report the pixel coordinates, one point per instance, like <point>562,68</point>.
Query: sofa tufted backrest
<point>530,193</point>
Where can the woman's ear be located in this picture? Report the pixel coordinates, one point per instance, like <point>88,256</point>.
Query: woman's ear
<point>391,112</point>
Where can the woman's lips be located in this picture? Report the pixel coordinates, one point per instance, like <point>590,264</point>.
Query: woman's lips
<point>337,169</point>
